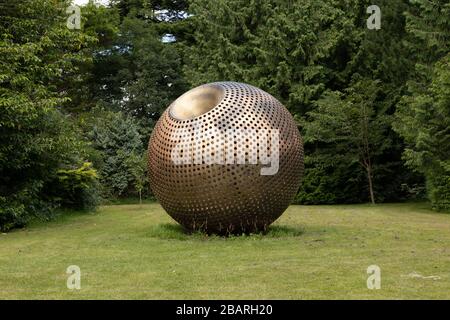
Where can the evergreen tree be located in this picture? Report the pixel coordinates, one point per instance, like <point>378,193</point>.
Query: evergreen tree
<point>351,124</point>
<point>146,58</point>
<point>95,81</point>
<point>116,138</point>
<point>423,113</point>
<point>307,53</point>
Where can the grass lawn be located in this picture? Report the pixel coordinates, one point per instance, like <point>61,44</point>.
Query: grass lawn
<point>312,252</point>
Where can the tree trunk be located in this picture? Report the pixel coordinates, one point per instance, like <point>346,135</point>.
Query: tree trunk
<point>369,178</point>
<point>140,198</point>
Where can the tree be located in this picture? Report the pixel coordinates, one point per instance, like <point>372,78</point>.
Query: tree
<point>94,80</point>
<point>153,79</point>
<point>138,168</point>
<point>424,120</point>
<point>140,72</point>
<point>422,116</point>
<point>37,139</point>
<point>116,137</point>
<point>76,188</point>
<point>286,48</point>
<point>306,53</point>
<point>351,124</point>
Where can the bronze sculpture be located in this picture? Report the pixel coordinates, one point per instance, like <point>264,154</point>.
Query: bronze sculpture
<point>225,157</point>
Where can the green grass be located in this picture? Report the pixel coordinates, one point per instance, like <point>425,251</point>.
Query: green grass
<point>311,252</point>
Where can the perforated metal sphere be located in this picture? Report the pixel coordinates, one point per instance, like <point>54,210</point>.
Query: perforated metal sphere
<point>225,157</point>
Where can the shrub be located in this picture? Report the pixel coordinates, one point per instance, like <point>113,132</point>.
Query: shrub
<point>17,209</point>
<point>116,139</point>
<point>438,186</point>
<point>77,188</point>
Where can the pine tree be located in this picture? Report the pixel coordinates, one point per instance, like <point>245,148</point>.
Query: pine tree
<point>423,113</point>
<point>305,53</point>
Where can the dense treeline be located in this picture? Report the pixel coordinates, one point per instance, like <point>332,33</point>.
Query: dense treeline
<point>77,106</point>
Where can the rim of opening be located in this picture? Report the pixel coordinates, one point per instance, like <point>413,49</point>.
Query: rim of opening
<point>196,102</point>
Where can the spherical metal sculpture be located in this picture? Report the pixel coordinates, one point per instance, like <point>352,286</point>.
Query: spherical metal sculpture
<point>225,157</point>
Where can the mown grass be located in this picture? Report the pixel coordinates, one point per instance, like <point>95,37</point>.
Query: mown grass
<point>311,252</point>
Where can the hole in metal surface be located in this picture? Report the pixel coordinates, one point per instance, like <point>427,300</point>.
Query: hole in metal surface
<point>196,102</point>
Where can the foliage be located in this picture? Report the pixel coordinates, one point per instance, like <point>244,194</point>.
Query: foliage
<point>138,73</point>
<point>92,82</point>
<point>254,42</point>
<point>351,124</point>
<point>77,188</point>
<point>138,169</point>
<point>373,106</point>
<point>317,57</point>
<point>16,209</point>
<point>424,119</point>
<point>152,79</point>
<point>116,137</point>
<point>423,114</point>
<point>134,77</point>
<point>38,52</point>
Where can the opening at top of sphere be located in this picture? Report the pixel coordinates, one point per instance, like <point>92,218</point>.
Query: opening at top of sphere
<point>196,102</point>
